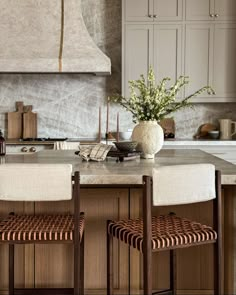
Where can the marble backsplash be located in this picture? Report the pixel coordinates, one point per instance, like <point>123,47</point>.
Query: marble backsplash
<point>67,105</point>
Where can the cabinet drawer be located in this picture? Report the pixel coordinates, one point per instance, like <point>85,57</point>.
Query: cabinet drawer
<point>26,149</point>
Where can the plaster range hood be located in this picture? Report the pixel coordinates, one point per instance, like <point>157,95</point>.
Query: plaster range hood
<point>47,36</point>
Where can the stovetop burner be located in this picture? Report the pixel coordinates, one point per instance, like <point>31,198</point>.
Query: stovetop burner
<point>43,139</point>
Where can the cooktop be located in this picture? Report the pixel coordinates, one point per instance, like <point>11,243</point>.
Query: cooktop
<point>43,139</point>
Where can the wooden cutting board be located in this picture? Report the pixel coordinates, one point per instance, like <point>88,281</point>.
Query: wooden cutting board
<point>29,123</point>
<point>14,120</point>
<point>203,130</point>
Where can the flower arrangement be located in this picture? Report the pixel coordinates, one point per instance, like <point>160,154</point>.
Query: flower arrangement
<point>149,101</point>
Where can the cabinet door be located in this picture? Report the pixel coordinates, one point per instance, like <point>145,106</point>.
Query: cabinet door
<point>225,10</point>
<point>199,58</point>
<point>167,10</point>
<point>167,51</point>
<point>224,74</point>
<point>138,52</point>
<point>200,9</point>
<point>138,10</point>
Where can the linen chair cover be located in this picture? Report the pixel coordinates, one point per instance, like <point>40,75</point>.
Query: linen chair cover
<point>44,182</point>
<point>183,184</point>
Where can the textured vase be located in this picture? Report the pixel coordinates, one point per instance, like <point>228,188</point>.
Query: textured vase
<point>150,138</point>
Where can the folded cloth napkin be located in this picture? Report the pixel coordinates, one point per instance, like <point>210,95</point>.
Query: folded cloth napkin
<point>95,153</point>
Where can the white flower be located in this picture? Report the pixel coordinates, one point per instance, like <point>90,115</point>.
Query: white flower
<point>149,101</point>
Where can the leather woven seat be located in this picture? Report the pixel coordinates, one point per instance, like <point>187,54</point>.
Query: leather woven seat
<point>39,228</point>
<point>168,231</point>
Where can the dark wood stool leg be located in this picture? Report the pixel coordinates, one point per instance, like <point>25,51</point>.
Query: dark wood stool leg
<point>76,267</point>
<point>11,269</point>
<point>218,246</point>
<point>147,272</point>
<point>218,273</point>
<point>173,271</point>
<point>109,263</point>
<point>82,266</point>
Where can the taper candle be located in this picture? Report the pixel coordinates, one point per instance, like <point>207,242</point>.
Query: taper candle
<point>117,128</point>
<point>107,127</point>
<point>99,124</point>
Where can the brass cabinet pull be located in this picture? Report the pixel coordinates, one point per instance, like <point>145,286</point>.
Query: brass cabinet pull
<point>32,149</point>
<point>24,149</point>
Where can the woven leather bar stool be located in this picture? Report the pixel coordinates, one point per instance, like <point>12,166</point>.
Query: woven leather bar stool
<point>189,184</point>
<point>43,182</point>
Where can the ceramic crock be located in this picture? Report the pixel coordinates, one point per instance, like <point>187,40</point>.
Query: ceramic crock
<point>150,138</point>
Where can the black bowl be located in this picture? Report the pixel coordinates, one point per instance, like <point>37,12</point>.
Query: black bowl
<point>126,146</point>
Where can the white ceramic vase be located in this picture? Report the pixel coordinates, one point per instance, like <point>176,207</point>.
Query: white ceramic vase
<point>150,138</point>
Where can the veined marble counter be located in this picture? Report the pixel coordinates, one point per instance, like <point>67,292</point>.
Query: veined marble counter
<point>198,142</point>
<point>128,172</point>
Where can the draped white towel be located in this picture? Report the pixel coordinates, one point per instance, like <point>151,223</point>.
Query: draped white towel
<point>65,145</point>
<point>35,182</point>
<point>183,184</point>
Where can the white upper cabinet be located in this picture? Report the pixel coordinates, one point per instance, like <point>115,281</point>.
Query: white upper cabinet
<point>159,46</point>
<point>199,58</point>
<point>224,73</point>
<point>210,10</point>
<point>137,53</point>
<point>153,10</point>
<point>167,10</point>
<point>201,45</point>
<point>167,60</point>
<point>225,9</point>
<point>137,10</point>
<point>210,59</point>
<point>200,9</point>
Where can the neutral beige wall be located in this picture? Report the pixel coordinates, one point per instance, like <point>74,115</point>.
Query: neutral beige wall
<point>67,105</point>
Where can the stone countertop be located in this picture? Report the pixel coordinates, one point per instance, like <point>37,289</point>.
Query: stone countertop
<point>83,141</point>
<point>167,143</point>
<point>128,172</point>
<point>198,142</point>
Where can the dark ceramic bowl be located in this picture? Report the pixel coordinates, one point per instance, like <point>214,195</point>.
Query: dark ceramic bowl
<point>126,146</point>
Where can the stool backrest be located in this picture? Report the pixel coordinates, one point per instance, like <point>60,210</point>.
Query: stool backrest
<point>183,184</point>
<point>35,182</point>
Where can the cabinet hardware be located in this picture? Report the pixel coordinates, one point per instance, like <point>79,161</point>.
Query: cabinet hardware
<point>155,16</point>
<point>150,16</point>
<point>212,15</point>
<point>32,149</point>
<point>24,149</point>
<point>216,15</point>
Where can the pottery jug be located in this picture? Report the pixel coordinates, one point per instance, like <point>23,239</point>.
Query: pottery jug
<point>227,128</point>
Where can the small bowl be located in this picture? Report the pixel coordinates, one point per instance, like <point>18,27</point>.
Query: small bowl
<point>124,135</point>
<point>214,134</point>
<point>126,146</point>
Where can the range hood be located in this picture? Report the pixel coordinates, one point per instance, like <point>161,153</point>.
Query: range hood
<point>47,36</point>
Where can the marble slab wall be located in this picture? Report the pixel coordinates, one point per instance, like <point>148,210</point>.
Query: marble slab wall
<point>67,105</point>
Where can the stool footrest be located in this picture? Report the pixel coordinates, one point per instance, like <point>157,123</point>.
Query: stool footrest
<point>44,291</point>
<point>164,292</point>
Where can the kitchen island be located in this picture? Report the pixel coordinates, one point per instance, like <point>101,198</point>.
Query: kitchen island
<point>112,190</point>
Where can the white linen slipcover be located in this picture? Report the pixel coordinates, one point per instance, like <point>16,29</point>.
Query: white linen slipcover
<point>183,184</point>
<point>35,182</point>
